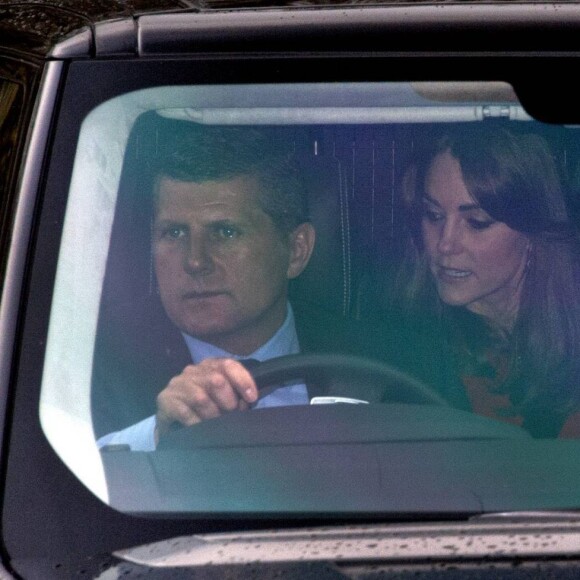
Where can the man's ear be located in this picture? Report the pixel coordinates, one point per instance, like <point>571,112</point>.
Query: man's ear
<point>301,245</point>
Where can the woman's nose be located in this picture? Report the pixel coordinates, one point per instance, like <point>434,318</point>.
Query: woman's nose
<point>450,238</point>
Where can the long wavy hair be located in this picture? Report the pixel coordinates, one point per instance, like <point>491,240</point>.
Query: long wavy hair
<point>514,178</point>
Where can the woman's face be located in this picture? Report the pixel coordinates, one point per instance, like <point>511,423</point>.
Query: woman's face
<point>476,262</point>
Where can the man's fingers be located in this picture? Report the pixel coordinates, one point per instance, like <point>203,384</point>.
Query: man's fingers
<point>241,380</point>
<point>205,391</point>
<point>223,381</point>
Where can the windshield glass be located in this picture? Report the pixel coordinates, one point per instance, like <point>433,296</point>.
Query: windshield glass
<point>318,298</point>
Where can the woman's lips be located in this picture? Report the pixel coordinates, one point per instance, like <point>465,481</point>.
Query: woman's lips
<point>455,274</point>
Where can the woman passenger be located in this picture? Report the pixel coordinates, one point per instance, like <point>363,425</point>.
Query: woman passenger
<point>494,260</point>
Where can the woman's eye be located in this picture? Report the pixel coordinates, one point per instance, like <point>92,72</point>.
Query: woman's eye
<point>479,224</point>
<point>432,216</point>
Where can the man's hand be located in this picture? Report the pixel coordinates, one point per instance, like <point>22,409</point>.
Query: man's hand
<point>204,391</point>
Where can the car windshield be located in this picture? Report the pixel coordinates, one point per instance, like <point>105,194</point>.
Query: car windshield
<point>317,298</point>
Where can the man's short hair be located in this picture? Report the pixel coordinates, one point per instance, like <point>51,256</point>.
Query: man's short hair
<point>202,153</point>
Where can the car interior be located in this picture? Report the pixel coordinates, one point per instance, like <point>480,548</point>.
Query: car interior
<point>354,147</point>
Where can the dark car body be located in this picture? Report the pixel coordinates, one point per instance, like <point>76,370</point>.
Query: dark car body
<point>58,61</point>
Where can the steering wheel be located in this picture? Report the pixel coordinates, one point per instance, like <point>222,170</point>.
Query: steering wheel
<point>317,458</point>
<point>413,412</point>
<point>362,378</point>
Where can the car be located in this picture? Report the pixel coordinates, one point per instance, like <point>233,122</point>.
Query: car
<point>384,473</point>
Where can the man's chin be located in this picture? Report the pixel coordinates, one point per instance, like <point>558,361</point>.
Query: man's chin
<point>213,330</point>
<point>234,336</point>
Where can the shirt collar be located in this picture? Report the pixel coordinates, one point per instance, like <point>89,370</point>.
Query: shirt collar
<point>283,342</point>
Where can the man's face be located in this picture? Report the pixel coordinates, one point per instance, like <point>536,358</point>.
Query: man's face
<point>222,266</point>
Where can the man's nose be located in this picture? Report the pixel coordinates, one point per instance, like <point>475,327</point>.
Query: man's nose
<point>198,259</point>
<point>450,241</point>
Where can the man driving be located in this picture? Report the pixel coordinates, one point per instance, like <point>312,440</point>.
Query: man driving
<point>230,229</point>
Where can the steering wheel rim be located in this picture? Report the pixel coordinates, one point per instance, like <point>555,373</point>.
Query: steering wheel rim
<point>422,416</point>
<point>396,385</point>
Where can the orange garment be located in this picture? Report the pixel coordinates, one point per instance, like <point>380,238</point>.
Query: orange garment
<point>571,428</point>
<point>486,399</point>
<point>482,391</point>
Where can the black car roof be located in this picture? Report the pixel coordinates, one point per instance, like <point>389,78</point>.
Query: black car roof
<point>85,28</point>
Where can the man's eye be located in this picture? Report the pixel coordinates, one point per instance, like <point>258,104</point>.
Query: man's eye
<point>173,232</point>
<point>225,232</point>
<point>479,224</point>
